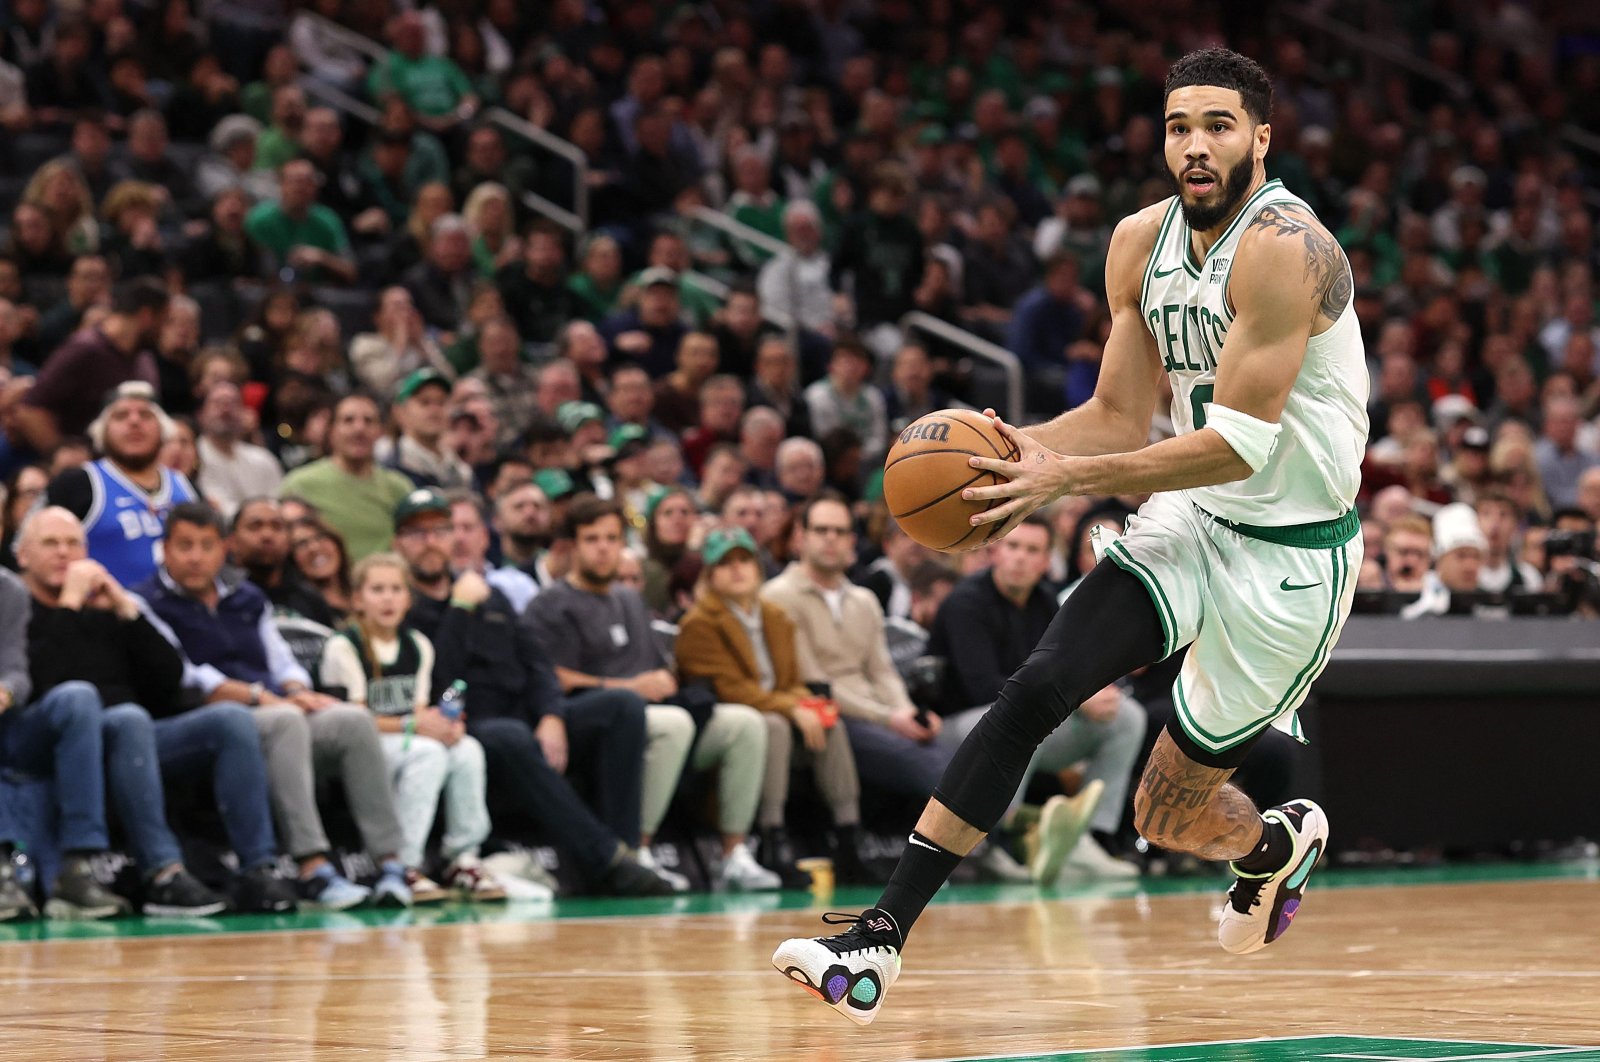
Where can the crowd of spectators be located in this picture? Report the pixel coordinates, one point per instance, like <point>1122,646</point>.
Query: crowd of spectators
<point>326,337</point>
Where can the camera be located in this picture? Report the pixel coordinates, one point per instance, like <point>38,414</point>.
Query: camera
<point>1569,544</point>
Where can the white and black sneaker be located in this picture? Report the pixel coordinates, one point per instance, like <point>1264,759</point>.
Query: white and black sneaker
<point>1261,908</point>
<point>850,972</point>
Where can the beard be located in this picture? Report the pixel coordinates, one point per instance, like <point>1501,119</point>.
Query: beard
<point>1203,217</point>
<point>431,567</point>
<point>597,578</point>
<point>133,462</point>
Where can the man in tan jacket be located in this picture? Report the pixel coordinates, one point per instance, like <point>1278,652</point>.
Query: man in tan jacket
<point>840,641</point>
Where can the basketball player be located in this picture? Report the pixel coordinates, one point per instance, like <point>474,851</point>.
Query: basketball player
<point>124,497</point>
<point>1246,551</point>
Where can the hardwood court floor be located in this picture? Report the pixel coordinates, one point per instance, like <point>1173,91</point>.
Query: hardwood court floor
<point>1016,975</point>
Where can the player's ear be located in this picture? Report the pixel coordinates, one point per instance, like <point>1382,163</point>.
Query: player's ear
<point>1263,139</point>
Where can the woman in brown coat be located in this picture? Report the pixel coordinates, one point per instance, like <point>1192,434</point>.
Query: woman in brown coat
<point>745,648</point>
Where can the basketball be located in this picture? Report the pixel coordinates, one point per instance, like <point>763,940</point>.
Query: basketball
<point>927,470</point>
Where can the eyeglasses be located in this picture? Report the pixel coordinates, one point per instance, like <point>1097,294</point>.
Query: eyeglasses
<point>827,531</point>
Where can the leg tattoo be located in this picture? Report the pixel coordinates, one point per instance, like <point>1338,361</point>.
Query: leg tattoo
<point>1189,807</point>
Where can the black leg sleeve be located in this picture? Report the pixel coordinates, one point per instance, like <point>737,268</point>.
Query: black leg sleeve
<point>1107,628</point>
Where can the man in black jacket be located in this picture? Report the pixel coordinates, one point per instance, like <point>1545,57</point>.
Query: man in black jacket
<point>985,630</point>
<point>258,541</point>
<point>528,728</point>
<point>85,626</point>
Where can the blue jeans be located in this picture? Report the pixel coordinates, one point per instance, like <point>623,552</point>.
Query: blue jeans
<point>59,735</point>
<point>893,762</point>
<point>222,739</point>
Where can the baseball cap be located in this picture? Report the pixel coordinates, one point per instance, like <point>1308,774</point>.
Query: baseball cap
<point>931,135</point>
<point>555,482</point>
<point>419,379</point>
<point>1084,184</point>
<point>658,275</point>
<point>628,437</point>
<point>1456,527</point>
<point>1449,409</point>
<point>419,502</point>
<point>574,415</point>
<point>724,541</point>
<point>1475,438</point>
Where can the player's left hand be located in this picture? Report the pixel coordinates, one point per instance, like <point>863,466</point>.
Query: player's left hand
<point>1035,479</point>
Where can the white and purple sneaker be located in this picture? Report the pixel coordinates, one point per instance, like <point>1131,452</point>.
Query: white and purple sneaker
<point>851,971</point>
<point>1261,908</point>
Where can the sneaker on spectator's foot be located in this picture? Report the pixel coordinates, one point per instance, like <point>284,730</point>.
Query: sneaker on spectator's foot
<point>848,866</point>
<point>79,897</point>
<point>629,877</point>
<point>181,895</point>
<point>851,971</point>
<point>647,859</point>
<point>1260,908</point>
<point>995,864</point>
<point>473,882</point>
<point>328,890</point>
<point>522,877</point>
<point>775,852</point>
<point>424,890</point>
<point>15,903</point>
<point>261,891</point>
<point>741,873</point>
<point>1089,859</point>
<point>390,890</point>
<point>1061,823</point>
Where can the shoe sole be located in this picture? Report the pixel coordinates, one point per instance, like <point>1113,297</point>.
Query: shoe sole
<point>19,914</point>
<point>1061,823</point>
<point>158,910</point>
<point>1315,831</point>
<point>837,980</point>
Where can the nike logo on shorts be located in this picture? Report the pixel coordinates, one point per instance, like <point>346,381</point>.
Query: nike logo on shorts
<point>1287,585</point>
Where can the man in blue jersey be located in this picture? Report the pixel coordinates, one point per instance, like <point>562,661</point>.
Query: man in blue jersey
<point>124,497</point>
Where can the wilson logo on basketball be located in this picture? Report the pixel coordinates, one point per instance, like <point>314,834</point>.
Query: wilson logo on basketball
<point>936,432</point>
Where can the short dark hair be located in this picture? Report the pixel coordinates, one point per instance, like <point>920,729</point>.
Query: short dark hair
<point>195,514</point>
<point>1039,520</point>
<point>1225,68</point>
<point>254,499</point>
<point>140,293</point>
<point>361,395</point>
<point>929,574</point>
<point>587,509</point>
<point>824,495</point>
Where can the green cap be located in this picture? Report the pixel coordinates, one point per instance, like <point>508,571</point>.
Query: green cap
<point>555,482</point>
<point>931,135</point>
<point>627,435</point>
<point>422,500</point>
<point>723,541</point>
<point>574,415</point>
<point>420,379</point>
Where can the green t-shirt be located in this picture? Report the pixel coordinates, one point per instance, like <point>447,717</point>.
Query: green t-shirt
<point>430,85</point>
<point>274,147</point>
<point>321,228</point>
<point>360,508</point>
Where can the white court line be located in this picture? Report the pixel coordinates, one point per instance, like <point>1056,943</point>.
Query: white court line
<point>1123,1050</point>
<point>1547,1050</point>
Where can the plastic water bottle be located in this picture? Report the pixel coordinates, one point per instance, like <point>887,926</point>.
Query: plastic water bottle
<point>454,701</point>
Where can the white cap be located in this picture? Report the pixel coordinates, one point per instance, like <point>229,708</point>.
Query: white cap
<point>1456,527</point>
<point>1448,409</point>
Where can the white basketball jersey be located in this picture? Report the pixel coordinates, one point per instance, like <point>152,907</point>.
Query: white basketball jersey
<point>1315,470</point>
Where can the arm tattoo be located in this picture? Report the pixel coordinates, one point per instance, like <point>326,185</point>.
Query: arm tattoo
<point>1186,806</point>
<point>1324,260</point>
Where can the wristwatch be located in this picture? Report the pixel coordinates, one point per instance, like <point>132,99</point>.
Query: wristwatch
<point>256,689</point>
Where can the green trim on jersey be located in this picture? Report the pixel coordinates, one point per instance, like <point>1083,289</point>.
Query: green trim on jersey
<point>1322,534</point>
<point>1341,574</point>
<point>1169,625</point>
<point>1319,657</point>
<point>1244,212</point>
<point>1155,252</point>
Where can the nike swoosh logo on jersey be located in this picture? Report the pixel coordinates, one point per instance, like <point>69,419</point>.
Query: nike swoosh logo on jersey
<point>1158,274</point>
<point>1287,585</point>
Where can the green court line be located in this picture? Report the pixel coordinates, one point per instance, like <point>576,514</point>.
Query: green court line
<point>736,903</point>
<point>1306,1049</point>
